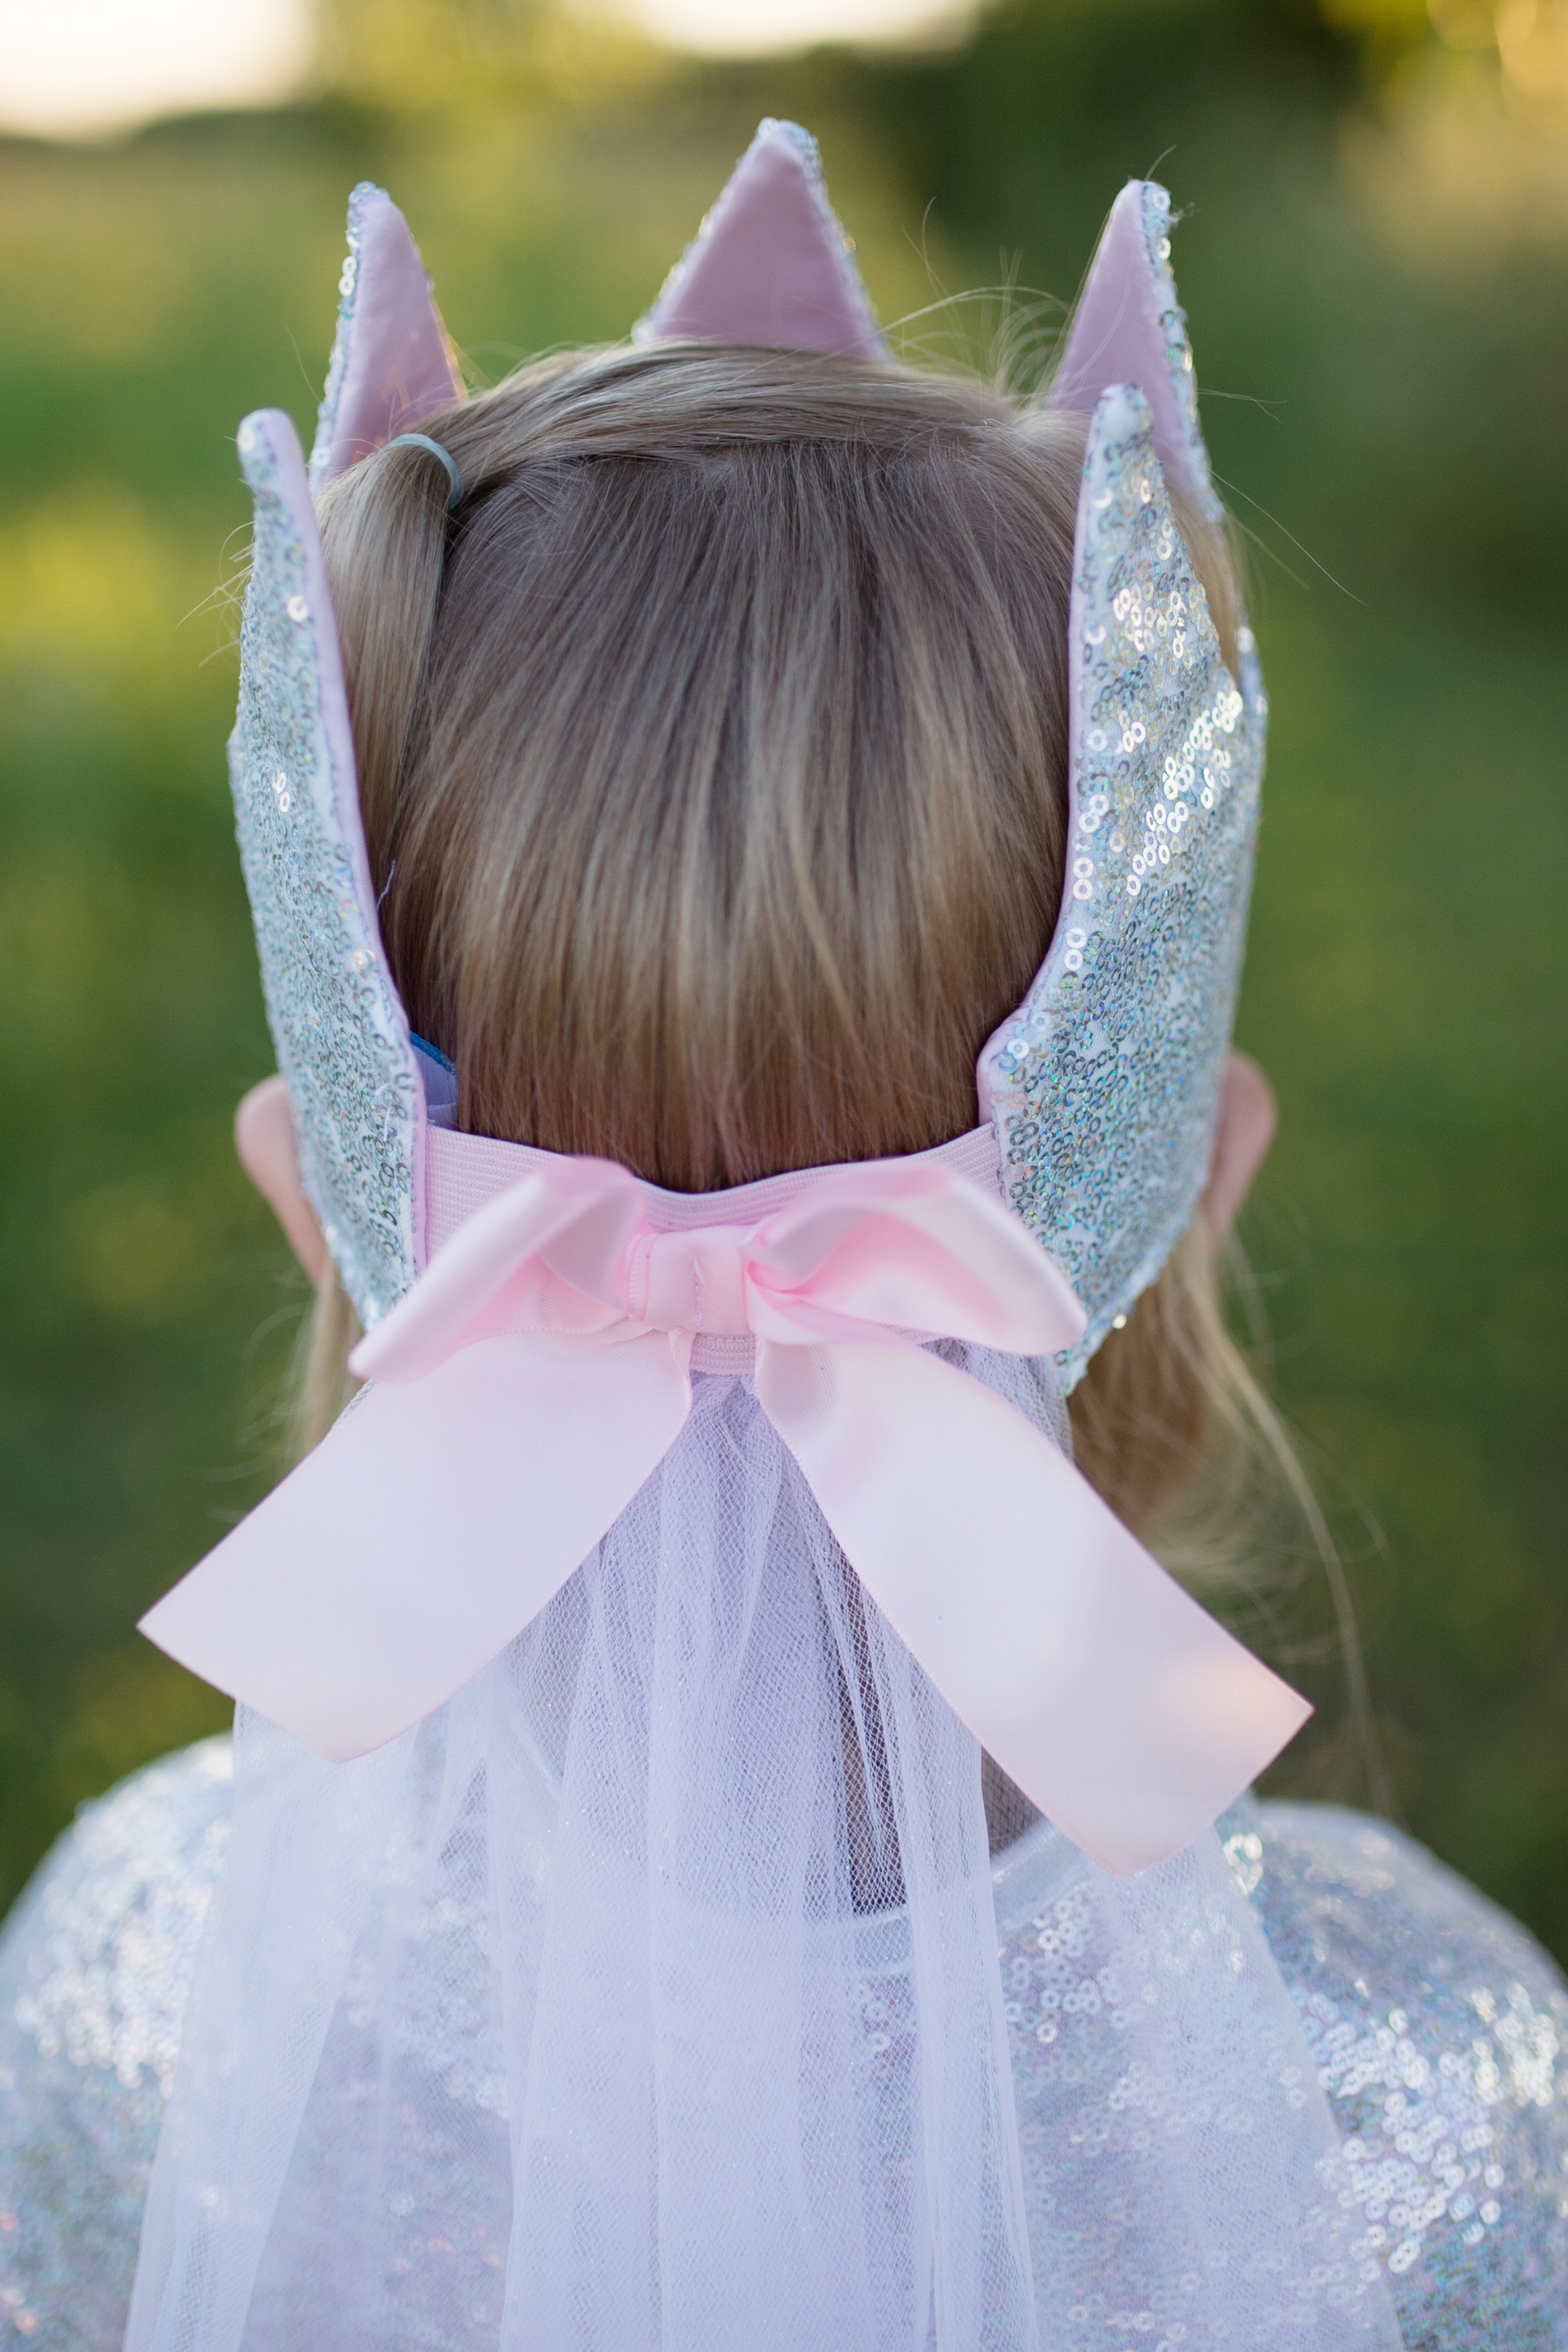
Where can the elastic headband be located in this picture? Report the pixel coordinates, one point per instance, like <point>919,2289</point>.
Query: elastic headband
<point>423,441</point>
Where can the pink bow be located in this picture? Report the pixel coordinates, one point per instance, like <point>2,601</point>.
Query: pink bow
<point>539,1371</point>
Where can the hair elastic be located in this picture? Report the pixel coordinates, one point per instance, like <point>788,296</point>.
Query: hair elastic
<point>423,441</point>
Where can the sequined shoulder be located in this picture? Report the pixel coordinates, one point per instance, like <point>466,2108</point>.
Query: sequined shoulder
<point>94,1964</point>
<point>1441,2029</point>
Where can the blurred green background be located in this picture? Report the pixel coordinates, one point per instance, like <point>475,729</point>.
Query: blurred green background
<point>1376,262</point>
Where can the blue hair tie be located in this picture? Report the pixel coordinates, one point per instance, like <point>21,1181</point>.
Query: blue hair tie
<point>423,441</point>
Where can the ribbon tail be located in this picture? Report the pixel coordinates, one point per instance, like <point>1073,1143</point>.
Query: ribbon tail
<point>1117,1704</point>
<point>426,1529</point>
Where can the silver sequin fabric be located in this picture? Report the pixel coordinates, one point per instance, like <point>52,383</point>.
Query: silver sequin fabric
<point>1157,222</point>
<point>337,1024</point>
<point>94,1964</point>
<point>1441,2035</point>
<point>1440,2031</point>
<point>1104,1083</point>
<point>347,290</point>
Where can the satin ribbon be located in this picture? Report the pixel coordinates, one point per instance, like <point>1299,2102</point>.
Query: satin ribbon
<point>539,1371</point>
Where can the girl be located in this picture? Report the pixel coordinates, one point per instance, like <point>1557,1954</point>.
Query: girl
<point>720,1847</point>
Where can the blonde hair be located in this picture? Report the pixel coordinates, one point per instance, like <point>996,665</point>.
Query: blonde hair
<point>714,776</point>
<point>713,768</point>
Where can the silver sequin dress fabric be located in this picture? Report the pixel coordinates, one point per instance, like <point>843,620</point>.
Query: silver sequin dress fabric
<point>339,1029</point>
<point>1104,1084</point>
<point>94,1964</point>
<point>1440,2029</point>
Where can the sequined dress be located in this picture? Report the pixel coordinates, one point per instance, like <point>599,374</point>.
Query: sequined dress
<point>1440,2029</point>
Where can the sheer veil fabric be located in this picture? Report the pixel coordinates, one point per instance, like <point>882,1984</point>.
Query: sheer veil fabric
<point>648,1996</point>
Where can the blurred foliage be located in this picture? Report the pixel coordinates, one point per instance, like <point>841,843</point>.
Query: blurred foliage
<point>1376,261</point>
<point>423,56</point>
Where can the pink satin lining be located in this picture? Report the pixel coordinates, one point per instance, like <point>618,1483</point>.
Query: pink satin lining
<point>770,266</point>
<point>463,1173</point>
<point>400,366</point>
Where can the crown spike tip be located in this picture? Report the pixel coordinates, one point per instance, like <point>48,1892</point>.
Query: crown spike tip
<point>392,365</point>
<point>771,265</point>
<point>1129,328</point>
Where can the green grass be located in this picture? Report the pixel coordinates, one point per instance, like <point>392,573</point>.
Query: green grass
<point>1404,983</point>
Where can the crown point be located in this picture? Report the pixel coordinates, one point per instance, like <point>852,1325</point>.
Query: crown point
<point>393,364</point>
<point>771,265</point>
<point>1129,328</point>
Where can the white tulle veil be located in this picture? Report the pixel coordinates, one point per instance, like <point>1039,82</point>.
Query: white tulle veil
<point>649,1994</point>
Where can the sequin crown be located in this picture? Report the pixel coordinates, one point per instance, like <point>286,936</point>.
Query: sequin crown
<point>1104,1084</point>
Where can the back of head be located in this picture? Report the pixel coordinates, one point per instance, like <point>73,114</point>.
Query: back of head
<point>713,759</point>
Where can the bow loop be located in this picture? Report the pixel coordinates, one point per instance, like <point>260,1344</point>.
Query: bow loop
<point>892,1247</point>
<point>543,1257</point>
